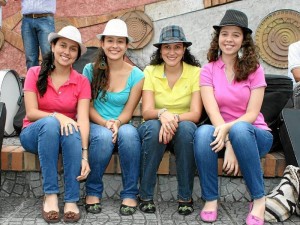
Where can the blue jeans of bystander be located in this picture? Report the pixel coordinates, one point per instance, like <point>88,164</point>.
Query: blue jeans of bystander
<point>35,34</point>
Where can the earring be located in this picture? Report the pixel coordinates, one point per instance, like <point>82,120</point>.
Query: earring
<point>219,52</point>
<point>52,66</point>
<point>102,64</point>
<point>240,54</point>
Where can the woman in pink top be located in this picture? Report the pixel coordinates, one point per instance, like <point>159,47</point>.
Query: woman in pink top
<point>232,90</point>
<point>57,120</point>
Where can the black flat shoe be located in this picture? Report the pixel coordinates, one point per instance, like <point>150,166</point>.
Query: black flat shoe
<point>93,208</point>
<point>147,206</point>
<point>126,210</point>
<point>185,208</point>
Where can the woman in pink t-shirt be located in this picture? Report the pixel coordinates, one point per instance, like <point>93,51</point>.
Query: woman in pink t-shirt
<point>232,90</point>
<point>57,120</point>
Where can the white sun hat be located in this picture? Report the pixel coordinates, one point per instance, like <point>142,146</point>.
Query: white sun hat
<point>69,32</point>
<point>115,27</point>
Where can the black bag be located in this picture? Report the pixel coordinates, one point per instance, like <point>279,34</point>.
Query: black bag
<point>2,125</point>
<point>20,115</point>
<point>289,135</point>
<point>88,57</point>
<point>277,94</point>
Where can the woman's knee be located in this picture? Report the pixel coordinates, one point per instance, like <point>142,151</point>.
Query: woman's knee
<point>203,136</point>
<point>100,134</point>
<point>128,131</point>
<point>187,127</point>
<point>204,132</point>
<point>149,128</point>
<point>239,128</point>
<point>49,125</point>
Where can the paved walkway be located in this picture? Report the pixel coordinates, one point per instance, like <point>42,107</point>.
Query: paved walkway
<point>15,211</point>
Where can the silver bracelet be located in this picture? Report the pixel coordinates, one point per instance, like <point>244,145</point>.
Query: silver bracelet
<point>119,121</point>
<point>53,114</point>
<point>160,112</point>
<point>85,159</point>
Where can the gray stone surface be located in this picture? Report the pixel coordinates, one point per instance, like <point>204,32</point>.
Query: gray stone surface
<point>25,211</point>
<point>29,184</point>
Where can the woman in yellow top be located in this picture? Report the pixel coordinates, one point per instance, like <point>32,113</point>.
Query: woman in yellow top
<point>171,108</point>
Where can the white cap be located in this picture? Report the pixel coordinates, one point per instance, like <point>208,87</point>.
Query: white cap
<point>115,27</point>
<point>69,32</point>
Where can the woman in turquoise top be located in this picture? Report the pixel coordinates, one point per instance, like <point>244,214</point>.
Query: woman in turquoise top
<point>116,91</point>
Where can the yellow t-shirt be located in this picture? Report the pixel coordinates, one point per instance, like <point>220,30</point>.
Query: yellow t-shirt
<point>176,100</point>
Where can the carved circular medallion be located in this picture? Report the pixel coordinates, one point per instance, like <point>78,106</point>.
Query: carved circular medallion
<point>274,35</point>
<point>1,39</point>
<point>140,28</point>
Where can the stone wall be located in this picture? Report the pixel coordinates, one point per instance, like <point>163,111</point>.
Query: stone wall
<point>197,23</point>
<point>89,16</point>
<point>196,20</point>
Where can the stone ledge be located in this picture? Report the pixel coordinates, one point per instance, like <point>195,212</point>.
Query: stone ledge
<point>14,158</point>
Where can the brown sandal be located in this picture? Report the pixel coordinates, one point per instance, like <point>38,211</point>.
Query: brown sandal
<point>71,217</point>
<point>51,216</point>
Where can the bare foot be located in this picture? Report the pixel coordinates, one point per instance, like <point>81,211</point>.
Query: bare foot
<point>51,203</point>
<point>210,206</point>
<point>259,207</point>
<point>71,207</point>
<point>129,202</point>
<point>91,200</point>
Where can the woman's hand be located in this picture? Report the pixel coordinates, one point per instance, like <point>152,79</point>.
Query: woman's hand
<point>66,124</point>
<point>169,122</point>
<point>115,130</point>
<point>85,170</point>
<point>109,124</point>
<point>113,125</point>
<point>220,134</point>
<point>230,164</point>
<point>164,136</point>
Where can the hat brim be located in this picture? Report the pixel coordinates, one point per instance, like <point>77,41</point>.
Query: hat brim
<point>99,36</point>
<point>218,27</point>
<point>53,36</point>
<point>186,43</point>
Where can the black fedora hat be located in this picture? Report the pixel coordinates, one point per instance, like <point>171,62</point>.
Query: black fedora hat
<point>234,17</point>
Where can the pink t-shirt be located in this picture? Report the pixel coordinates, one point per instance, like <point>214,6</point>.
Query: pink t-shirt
<point>232,98</point>
<point>64,100</point>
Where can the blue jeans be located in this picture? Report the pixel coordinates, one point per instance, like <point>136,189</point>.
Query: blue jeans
<point>43,138</point>
<point>152,154</point>
<point>249,144</point>
<point>100,152</point>
<point>35,34</point>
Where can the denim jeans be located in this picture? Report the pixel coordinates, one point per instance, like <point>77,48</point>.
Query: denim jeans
<point>35,34</point>
<point>100,152</point>
<point>43,137</point>
<point>249,144</point>
<point>152,154</point>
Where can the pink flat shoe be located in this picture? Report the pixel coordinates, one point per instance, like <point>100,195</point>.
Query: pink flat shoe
<point>209,216</point>
<point>253,220</point>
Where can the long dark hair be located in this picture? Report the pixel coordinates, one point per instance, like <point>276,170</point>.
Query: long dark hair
<point>244,65</point>
<point>100,79</point>
<point>188,58</point>
<point>47,66</point>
